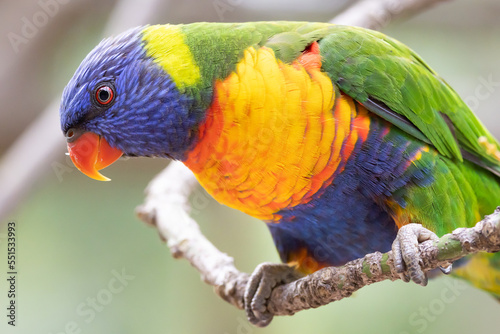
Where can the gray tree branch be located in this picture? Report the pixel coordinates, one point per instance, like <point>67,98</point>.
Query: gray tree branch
<point>375,14</point>
<point>167,207</point>
<point>331,284</point>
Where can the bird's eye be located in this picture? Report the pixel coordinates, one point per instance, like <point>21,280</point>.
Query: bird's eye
<point>104,95</point>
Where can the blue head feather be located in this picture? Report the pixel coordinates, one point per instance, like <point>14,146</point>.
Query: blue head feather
<point>148,117</point>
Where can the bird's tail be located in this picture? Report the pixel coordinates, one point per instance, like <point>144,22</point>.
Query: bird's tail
<point>482,271</point>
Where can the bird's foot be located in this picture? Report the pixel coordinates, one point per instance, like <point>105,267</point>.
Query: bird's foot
<point>407,256</point>
<point>260,286</point>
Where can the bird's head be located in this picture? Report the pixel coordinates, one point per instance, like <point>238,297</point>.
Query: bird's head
<point>121,101</point>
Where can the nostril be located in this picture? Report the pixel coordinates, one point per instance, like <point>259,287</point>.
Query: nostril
<point>70,135</point>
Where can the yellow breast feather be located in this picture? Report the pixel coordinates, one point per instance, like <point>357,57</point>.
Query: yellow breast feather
<point>274,134</point>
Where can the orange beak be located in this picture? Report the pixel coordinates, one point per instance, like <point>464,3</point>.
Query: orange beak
<point>91,153</point>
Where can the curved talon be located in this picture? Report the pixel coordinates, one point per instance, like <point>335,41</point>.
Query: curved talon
<point>407,261</point>
<point>446,270</point>
<point>260,286</point>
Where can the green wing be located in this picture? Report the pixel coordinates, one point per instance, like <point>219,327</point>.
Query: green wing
<point>384,75</point>
<point>395,83</point>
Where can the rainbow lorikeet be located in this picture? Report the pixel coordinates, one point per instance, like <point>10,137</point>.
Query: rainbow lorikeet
<point>335,136</point>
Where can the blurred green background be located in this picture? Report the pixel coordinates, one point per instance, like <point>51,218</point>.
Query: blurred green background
<point>75,235</point>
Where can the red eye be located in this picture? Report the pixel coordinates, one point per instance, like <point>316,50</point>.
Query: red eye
<point>104,95</point>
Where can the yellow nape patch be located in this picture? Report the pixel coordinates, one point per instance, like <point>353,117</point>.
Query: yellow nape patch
<point>165,44</point>
<point>274,134</point>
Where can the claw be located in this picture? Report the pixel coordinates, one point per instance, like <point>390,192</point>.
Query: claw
<point>446,270</point>
<point>407,261</point>
<point>260,286</point>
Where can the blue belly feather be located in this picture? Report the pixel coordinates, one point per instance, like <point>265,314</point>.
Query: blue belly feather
<point>349,219</point>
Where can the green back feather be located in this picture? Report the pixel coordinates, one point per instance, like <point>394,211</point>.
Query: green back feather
<point>392,82</point>
<point>385,75</point>
<point>369,65</point>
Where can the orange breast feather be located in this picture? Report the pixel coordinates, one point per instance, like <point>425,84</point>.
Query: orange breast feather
<point>274,134</point>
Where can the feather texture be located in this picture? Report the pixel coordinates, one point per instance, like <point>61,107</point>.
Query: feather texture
<point>336,136</point>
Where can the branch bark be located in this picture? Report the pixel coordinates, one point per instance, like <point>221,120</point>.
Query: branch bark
<point>167,207</point>
<point>331,284</point>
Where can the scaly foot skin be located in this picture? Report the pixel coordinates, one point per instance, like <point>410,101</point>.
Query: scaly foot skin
<point>406,254</point>
<point>260,286</point>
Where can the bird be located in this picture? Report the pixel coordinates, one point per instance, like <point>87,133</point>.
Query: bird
<point>335,136</point>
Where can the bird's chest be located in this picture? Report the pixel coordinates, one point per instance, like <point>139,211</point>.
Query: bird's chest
<point>274,136</point>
